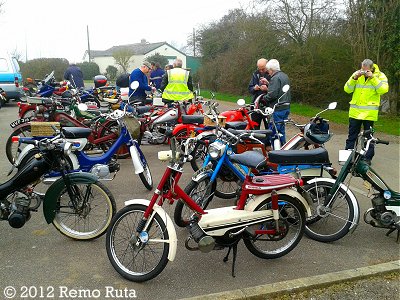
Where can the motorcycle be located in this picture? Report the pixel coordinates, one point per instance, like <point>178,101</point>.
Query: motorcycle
<point>77,204</point>
<point>101,165</point>
<point>270,222</point>
<point>335,208</point>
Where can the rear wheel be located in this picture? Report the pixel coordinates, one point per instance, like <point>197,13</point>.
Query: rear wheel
<point>137,257</point>
<point>197,190</point>
<point>13,149</point>
<point>90,216</point>
<point>329,221</point>
<point>265,241</point>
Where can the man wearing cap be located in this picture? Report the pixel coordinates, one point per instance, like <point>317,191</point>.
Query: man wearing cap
<point>140,75</point>
<point>177,84</point>
<point>367,86</point>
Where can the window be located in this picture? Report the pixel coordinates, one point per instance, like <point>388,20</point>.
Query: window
<point>16,65</point>
<point>3,65</point>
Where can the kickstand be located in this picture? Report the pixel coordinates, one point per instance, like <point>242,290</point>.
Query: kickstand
<point>389,232</point>
<point>234,247</point>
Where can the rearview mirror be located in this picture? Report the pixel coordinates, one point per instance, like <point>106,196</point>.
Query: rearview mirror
<point>285,88</point>
<point>241,102</point>
<point>134,85</point>
<point>332,105</point>
<point>82,107</point>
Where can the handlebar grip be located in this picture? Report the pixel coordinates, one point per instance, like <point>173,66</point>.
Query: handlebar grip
<point>382,142</point>
<point>28,140</point>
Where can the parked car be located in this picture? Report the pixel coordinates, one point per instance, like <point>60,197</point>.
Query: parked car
<point>10,77</point>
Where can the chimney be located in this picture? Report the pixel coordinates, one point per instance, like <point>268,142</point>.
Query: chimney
<point>143,41</point>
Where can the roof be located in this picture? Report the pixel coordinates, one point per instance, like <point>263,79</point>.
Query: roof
<point>137,49</point>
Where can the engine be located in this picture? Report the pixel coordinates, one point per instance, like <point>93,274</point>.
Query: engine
<point>16,209</point>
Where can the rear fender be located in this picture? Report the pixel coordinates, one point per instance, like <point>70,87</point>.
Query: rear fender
<point>252,204</point>
<point>179,127</point>
<point>54,192</point>
<point>173,240</point>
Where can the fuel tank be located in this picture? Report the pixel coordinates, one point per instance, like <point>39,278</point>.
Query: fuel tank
<point>31,172</point>
<point>169,116</point>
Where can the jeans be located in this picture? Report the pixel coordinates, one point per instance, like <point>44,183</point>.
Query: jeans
<point>279,118</point>
<point>354,131</point>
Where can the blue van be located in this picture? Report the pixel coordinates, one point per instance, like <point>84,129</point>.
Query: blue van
<point>10,77</point>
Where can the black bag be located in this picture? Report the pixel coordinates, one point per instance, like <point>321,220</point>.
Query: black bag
<point>123,80</point>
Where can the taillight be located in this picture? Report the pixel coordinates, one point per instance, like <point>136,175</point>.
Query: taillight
<point>15,139</point>
<point>16,81</point>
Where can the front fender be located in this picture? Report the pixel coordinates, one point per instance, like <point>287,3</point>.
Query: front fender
<point>173,240</point>
<point>251,205</point>
<point>54,192</point>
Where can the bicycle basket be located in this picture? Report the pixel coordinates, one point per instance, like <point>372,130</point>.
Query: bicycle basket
<point>43,128</point>
<point>133,126</point>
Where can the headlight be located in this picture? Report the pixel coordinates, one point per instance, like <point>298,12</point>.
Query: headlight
<point>216,149</point>
<point>67,148</point>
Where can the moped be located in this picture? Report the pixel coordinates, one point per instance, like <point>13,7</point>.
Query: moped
<point>336,210</point>
<point>142,238</point>
<point>77,204</point>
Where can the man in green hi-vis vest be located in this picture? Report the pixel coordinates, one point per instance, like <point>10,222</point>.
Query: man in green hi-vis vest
<point>177,84</point>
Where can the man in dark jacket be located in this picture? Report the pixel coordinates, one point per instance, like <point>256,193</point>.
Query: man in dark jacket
<point>140,75</point>
<point>276,83</point>
<point>156,75</point>
<point>74,75</point>
<point>259,85</point>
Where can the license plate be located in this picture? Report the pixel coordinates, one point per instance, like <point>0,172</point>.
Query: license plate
<point>19,122</point>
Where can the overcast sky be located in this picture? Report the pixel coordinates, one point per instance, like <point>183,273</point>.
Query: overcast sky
<point>53,28</point>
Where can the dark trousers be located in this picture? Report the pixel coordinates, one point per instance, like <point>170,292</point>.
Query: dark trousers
<point>354,131</point>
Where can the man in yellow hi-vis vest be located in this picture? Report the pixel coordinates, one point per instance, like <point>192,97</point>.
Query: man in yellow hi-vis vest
<point>177,84</point>
<point>367,86</point>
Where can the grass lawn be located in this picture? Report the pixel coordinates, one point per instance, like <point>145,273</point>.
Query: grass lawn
<point>386,124</point>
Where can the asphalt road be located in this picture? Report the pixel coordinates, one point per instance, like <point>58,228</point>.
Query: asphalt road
<point>38,258</point>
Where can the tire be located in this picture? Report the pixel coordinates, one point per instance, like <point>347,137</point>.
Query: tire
<point>122,249</point>
<point>145,176</point>
<point>181,136</point>
<point>197,191</point>
<point>91,219</point>
<point>228,184</point>
<point>109,128</point>
<point>291,222</point>
<point>199,153</point>
<point>12,148</point>
<point>328,225</point>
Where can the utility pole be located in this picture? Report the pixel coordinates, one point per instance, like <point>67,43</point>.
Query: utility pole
<point>88,42</point>
<point>194,43</point>
<point>26,49</point>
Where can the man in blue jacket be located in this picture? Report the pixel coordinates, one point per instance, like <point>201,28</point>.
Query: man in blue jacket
<point>140,75</point>
<point>156,75</point>
<point>74,75</point>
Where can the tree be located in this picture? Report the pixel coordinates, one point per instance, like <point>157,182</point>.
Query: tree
<point>40,67</point>
<point>157,58</point>
<point>123,58</point>
<point>111,72</point>
<point>89,69</point>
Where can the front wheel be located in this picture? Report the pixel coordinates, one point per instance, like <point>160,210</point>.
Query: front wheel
<point>145,176</point>
<point>329,221</point>
<point>88,215</point>
<point>136,256</point>
<point>264,239</point>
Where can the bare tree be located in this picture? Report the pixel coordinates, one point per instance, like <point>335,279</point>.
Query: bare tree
<point>18,55</point>
<point>123,58</point>
<point>299,20</point>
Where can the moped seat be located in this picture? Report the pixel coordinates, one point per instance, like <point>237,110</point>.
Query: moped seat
<point>111,101</point>
<point>252,159</point>
<point>143,109</point>
<point>314,156</point>
<point>236,125</point>
<point>190,119</point>
<point>76,132</point>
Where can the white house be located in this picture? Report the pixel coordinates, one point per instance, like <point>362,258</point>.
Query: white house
<point>141,51</point>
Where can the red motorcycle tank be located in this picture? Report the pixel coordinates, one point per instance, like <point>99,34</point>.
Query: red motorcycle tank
<point>232,115</point>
